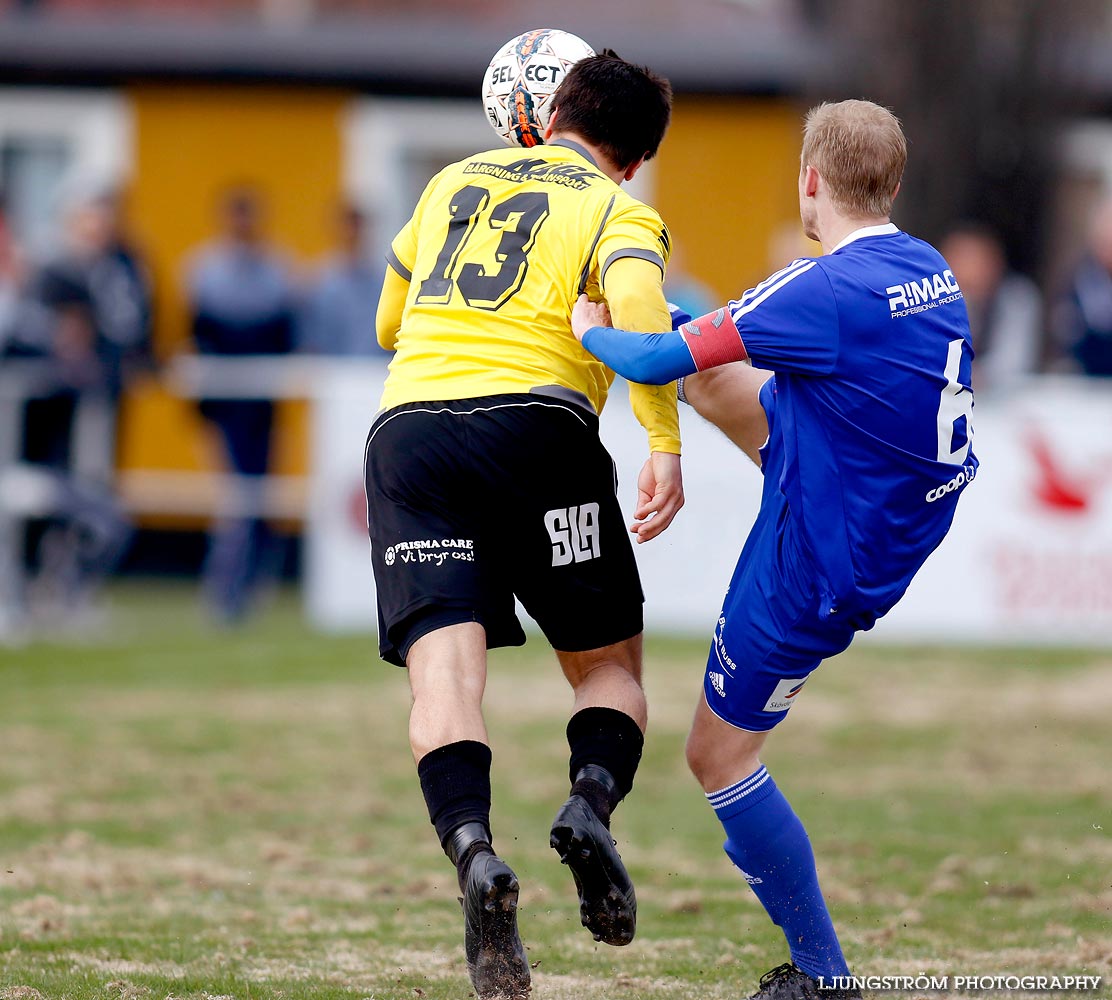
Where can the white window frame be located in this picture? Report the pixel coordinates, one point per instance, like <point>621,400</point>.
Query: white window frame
<point>97,125</point>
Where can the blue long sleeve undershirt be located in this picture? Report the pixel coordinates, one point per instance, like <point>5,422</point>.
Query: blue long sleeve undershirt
<point>648,358</point>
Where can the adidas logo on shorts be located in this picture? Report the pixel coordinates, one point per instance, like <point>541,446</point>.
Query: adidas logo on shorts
<point>718,682</point>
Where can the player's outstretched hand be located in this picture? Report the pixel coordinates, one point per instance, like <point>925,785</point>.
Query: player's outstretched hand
<point>659,495</point>
<point>586,314</point>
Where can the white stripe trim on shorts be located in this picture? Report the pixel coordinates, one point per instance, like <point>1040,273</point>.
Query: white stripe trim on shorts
<point>464,413</point>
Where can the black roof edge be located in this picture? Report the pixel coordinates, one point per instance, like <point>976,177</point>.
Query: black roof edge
<point>388,57</point>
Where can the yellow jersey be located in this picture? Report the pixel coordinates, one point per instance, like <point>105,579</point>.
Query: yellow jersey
<point>497,251</point>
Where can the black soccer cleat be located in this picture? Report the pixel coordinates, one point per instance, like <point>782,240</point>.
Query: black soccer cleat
<point>786,982</point>
<point>496,958</point>
<point>607,903</point>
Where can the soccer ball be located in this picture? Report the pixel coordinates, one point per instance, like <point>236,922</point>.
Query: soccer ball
<point>522,79</point>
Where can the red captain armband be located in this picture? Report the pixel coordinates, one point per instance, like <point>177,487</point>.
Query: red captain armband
<point>713,340</point>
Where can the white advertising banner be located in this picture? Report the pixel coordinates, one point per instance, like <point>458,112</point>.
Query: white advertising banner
<point>339,587</point>
<point>1029,558</point>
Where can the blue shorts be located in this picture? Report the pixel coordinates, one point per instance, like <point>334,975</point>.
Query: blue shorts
<point>770,634</point>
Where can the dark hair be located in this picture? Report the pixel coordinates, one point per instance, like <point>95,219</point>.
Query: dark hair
<point>620,108</point>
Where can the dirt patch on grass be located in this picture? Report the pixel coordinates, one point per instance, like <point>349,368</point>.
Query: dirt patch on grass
<point>274,836</point>
<point>120,968</point>
<point>20,993</point>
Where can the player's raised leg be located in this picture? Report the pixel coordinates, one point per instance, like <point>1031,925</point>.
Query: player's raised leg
<point>842,527</point>
<point>769,638</point>
<point>447,675</point>
<point>729,397</point>
<point>605,736</point>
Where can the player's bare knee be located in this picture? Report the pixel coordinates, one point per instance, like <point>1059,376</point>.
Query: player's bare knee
<point>700,756</point>
<point>611,683</point>
<point>719,754</point>
<point>714,773</point>
<point>693,756</point>
<point>463,690</point>
<point>623,658</point>
<point>447,668</point>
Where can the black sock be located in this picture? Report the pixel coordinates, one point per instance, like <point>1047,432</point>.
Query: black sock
<point>597,795</point>
<point>455,780</point>
<point>608,743</point>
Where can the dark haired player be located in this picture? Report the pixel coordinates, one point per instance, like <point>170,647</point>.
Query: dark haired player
<point>486,479</point>
<point>863,434</point>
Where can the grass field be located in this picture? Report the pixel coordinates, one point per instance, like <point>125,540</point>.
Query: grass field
<point>195,814</point>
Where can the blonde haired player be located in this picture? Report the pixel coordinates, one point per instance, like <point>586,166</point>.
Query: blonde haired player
<point>863,433</point>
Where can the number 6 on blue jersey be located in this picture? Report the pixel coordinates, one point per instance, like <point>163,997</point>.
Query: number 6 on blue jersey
<point>955,411</point>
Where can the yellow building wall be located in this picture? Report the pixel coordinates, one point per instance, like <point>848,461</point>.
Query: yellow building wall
<point>726,180</point>
<point>192,142</point>
<point>725,183</point>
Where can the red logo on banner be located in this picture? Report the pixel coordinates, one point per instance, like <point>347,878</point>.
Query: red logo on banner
<point>1057,488</point>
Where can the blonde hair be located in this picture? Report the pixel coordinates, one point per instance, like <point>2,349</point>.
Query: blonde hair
<point>860,151</point>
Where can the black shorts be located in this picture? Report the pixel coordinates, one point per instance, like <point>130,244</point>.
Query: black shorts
<point>473,501</point>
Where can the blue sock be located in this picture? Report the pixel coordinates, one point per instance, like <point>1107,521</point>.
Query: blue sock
<point>766,841</point>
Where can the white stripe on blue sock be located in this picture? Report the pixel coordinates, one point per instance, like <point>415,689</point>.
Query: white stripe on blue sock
<point>730,795</point>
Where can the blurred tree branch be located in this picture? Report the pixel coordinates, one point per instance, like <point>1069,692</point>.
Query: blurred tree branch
<point>980,86</point>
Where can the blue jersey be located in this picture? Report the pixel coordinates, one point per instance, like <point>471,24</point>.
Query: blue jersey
<point>871,351</point>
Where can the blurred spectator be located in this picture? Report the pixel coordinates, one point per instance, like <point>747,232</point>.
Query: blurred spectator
<point>91,316</point>
<point>121,287</point>
<point>12,279</point>
<point>339,313</point>
<point>1083,317</point>
<point>683,289</point>
<point>242,303</point>
<point>1005,308</point>
<point>66,343</point>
